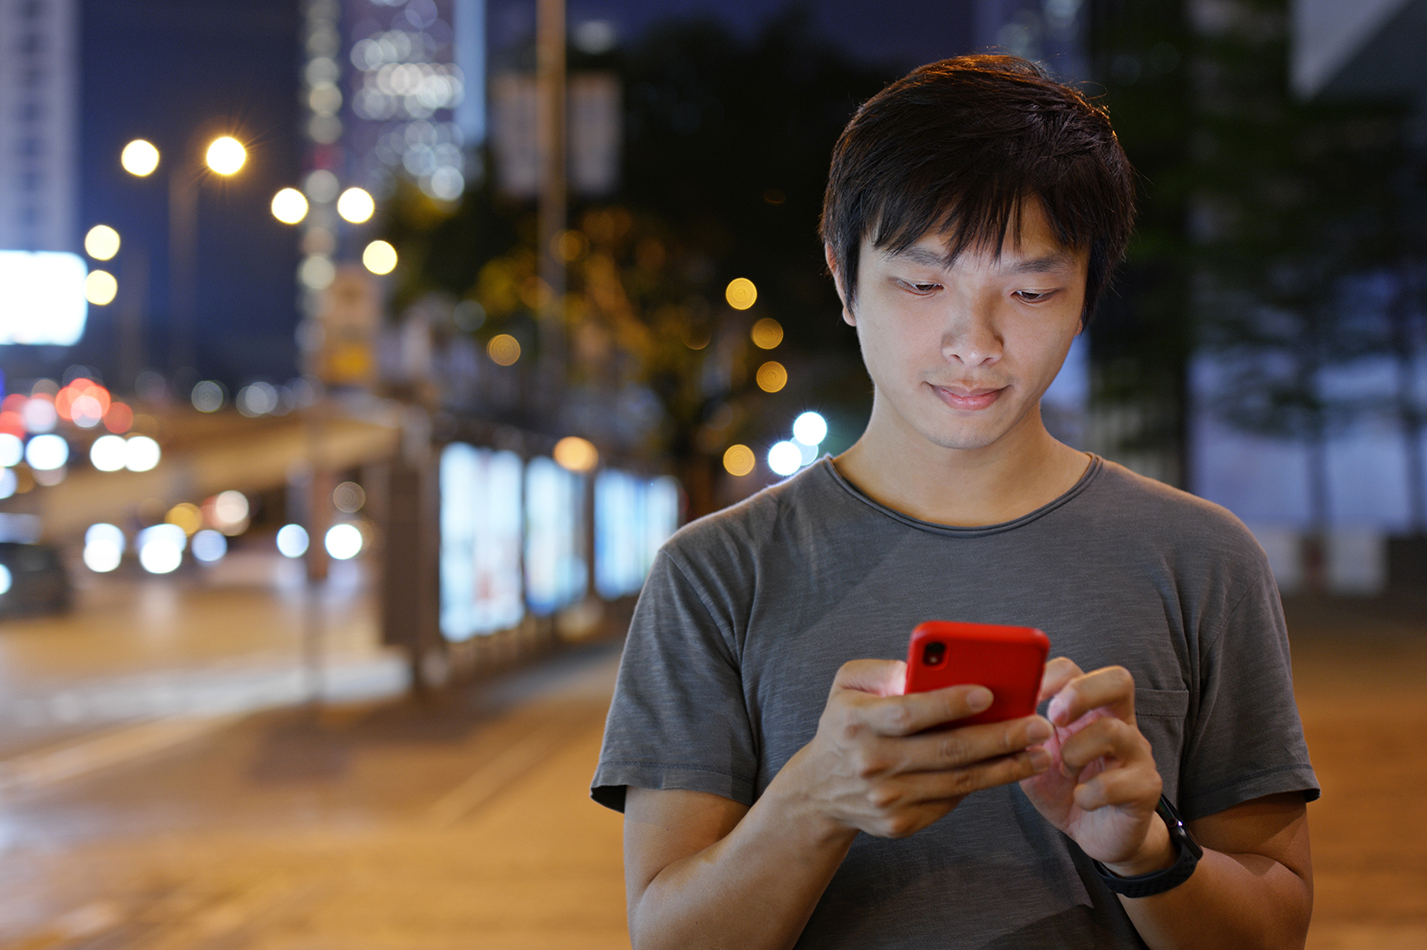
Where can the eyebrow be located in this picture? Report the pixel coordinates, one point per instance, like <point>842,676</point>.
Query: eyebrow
<point>1055,262</point>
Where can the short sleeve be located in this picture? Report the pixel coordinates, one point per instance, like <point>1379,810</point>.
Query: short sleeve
<point>678,718</point>
<point>1245,739</point>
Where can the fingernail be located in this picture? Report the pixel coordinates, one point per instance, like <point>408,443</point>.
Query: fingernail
<point>1040,759</point>
<point>978,698</point>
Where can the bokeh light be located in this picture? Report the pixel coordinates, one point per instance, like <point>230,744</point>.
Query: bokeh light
<point>343,541</point>
<point>208,395</point>
<point>317,272</point>
<point>356,205</point>
<point>102,242</point>
<point>5,579</point>
<point>257,399</point>
<point>767,333</point>
<point>119,418</point>
<point>785,458</point>
<point>771,376</point>
<point>379,257</point>
<point>289,206</point>
<point>292,540</point>
<point>100,288</point>
<point>141,453</point>
<point>228,512</point>
<point>12,449</point>
<point>103,547</point>
<point>46,453</point>
<point>209,546</point>
<point>739,460</point>
<point>504,349</point>
<point>576,454</point>
<point>186,516</point>
<point>740,293</point>
<point>810,428</point>
<point>109,453</point>
<point>39,413</point>
<point>161,548</point>
<point>9,482</point>
<point>226,155</point>
<point>139,158</point>
<point>349,497</point>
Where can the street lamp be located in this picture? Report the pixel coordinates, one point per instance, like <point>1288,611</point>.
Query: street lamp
<point>224,156</point>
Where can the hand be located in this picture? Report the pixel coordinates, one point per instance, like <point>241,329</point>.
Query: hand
<point>1103,785</point>
<point>874,767</point>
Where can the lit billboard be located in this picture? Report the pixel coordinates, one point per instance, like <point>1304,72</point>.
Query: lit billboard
<point>42,298</point>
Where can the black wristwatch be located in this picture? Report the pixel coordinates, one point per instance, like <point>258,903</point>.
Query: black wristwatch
<point>1157,882</point>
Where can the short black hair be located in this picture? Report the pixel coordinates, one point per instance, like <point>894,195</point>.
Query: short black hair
<point>957,145</point>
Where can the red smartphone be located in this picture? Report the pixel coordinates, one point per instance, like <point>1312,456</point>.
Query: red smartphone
<point>1008,661</point>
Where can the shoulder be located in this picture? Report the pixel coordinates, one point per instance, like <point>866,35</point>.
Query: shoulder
<point>1169,519</point>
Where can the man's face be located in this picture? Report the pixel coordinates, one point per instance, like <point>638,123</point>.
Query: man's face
<point>960,353</point>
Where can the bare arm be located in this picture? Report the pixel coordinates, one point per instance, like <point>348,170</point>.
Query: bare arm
<point>704,871</point>
<point>1252,888</point>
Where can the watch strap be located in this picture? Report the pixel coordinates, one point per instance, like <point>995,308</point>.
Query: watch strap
<point>1157,882</point>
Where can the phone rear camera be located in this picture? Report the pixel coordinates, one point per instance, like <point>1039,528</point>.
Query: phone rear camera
<point>933,653</point>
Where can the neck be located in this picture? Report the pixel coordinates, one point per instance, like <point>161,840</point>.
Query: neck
<point>965,487</point>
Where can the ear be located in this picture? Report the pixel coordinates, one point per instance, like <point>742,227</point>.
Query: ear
<point>847,315</point>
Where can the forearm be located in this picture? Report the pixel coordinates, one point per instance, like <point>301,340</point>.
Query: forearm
<point>1232,900</point>
<point>755,888</point>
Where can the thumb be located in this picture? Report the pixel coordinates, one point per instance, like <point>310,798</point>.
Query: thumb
<point>878,677</point>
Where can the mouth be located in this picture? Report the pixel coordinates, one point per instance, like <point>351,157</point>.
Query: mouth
<point>970,399</point>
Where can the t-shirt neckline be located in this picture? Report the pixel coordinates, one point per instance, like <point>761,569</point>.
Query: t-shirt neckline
<point>966,531</point>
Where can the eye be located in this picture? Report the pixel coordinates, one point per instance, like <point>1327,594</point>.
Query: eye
<point>1034,296</point>
<point>921,288</point>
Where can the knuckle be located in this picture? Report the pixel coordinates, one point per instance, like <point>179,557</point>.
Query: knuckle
<point>899,719</point>
<point>952,748</point>
<point>884,796</point>
<point>867,763</point>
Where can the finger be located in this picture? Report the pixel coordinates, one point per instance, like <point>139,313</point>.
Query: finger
<point>936,785</point>
<point>1111,687</point>
<point>1106,737</point>
<point>1058,672</point>
<point>963,746</point>
<point>878,677</point>
<point>1121,787</point>
<point>916,712</point>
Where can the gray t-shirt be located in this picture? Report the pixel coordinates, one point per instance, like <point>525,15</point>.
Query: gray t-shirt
<point>748,613</point>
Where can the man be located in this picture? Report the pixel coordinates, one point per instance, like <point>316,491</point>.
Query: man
<point>974,212</point>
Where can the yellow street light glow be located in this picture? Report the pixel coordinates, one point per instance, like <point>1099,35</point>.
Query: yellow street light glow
<point>356,205</point>
<point>187,516</point>
<point>139,158</point>
<point>739,460</point>
<point>740,293</point>
<point>379,258</point>
<point>226,155</point>
<point>767,333</point>
<point>504,349</point>
<point>771,376</point>
<point>289,206</point>
<point>102,242</point>
<point>100,288</point>
<point>576,454</point>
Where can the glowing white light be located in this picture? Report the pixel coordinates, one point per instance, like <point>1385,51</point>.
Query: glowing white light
<point>317,272</point>
<point>343,541</point>
<point>161,548</point>
<point>102,242</point>
<point>8,482</point>
<point>289,206</point>
<point>46,453</point>
<point>11,449</point>
<point>356,205</point>
<point>257,399</point>
<point>785,458</point>
<point>207,396</point>
<point>43,299</point>
<point>226,155</point>
<point>141,453</point>
<point>102,555</point>
<point>108,453</point>
<point>379,257</point>
<point>4,579</point>
<point>209,545</point>
<point>86,412</point>
<point>106,534</point>
<point>810,428</point>
<point>230,508</point>
<point>292,540</point>
<point>139,158</point>
<point>39,415</point>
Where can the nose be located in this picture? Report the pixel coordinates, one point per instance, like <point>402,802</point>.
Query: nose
<point>971,337</point>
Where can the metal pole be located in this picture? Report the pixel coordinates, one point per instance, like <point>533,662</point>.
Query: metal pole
<point>182,256</point>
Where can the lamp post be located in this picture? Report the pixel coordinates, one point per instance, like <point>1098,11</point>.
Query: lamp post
<point>223,156</point>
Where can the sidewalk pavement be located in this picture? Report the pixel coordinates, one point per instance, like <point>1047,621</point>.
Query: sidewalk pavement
<point>408,827</point>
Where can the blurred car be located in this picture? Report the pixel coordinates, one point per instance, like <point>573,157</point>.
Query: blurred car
<point>33,580</point>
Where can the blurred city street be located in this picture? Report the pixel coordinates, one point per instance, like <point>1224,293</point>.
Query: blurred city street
<point>372,819</point>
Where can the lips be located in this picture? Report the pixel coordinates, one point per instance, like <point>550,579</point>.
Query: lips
<point>959,397</point>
